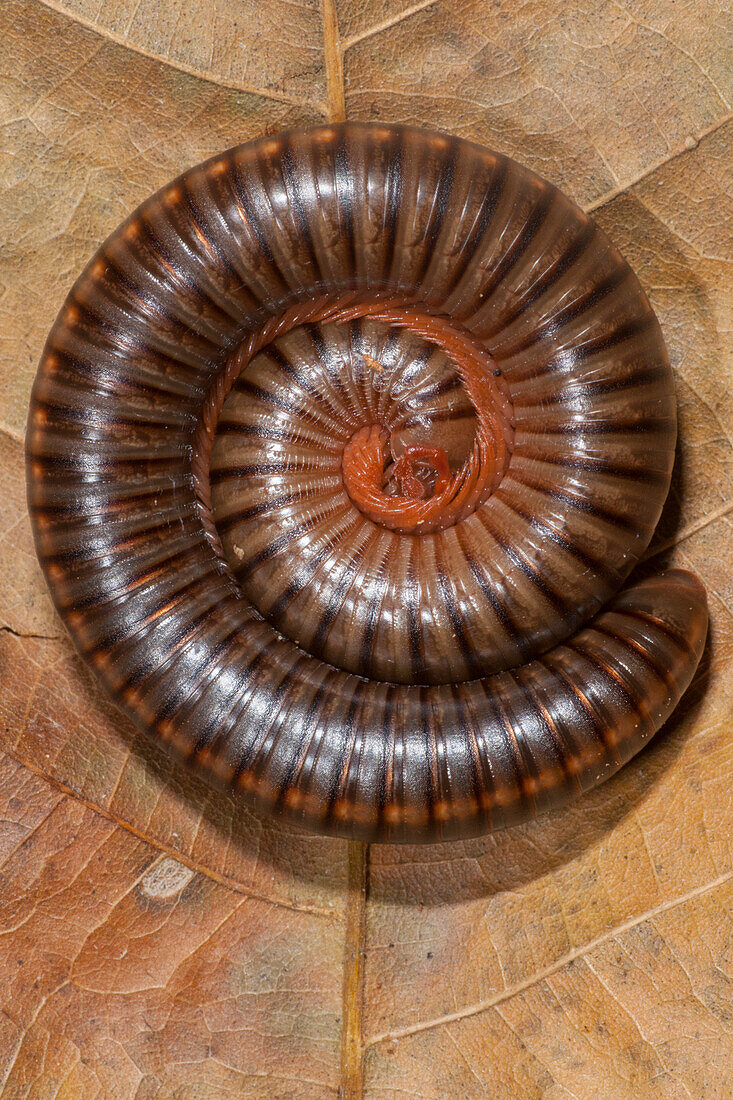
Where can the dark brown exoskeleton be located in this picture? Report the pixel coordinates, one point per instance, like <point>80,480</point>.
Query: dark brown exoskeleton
<point>339,453</point>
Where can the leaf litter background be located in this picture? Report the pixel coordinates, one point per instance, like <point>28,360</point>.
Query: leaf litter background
<point>157,941</point>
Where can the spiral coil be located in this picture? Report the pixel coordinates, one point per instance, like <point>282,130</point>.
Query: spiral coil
<point>337,451</point>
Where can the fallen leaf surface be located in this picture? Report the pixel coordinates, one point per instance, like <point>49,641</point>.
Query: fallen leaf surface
<point>158,940</point>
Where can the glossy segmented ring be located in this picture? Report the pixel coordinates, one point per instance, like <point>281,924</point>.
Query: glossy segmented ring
<point>339,453</point>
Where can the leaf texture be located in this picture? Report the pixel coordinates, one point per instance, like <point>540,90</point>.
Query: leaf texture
<point>157,939</point>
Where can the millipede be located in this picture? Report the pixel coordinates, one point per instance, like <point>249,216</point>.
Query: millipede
<point>340,454</point>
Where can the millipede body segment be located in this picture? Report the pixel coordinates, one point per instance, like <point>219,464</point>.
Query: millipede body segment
<point>340,454</point>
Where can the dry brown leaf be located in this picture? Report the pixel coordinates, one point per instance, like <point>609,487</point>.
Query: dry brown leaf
<point>157,939</point>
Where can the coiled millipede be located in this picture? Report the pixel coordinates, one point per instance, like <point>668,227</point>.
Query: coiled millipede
<point>338,454</point>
